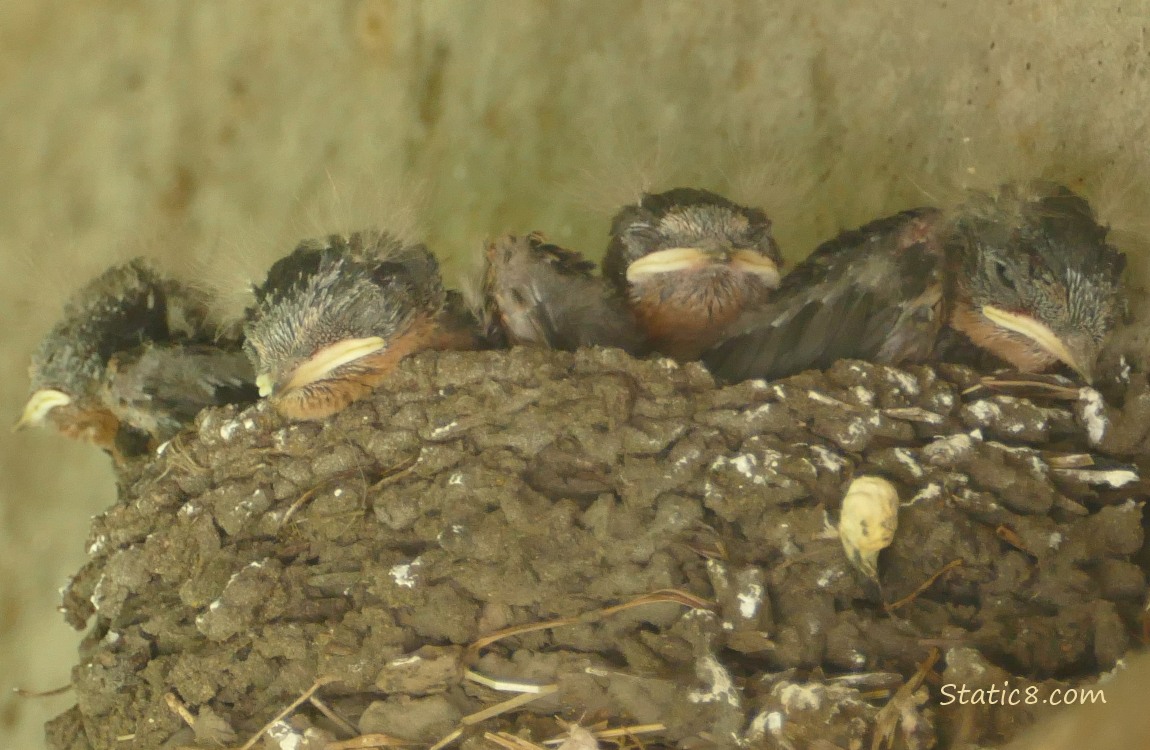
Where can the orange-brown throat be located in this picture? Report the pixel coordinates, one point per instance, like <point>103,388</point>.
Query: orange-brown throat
<point>95,426</point>
<point>683,314</point>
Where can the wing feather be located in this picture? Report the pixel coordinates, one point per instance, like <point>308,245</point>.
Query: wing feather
<point>871,293</point>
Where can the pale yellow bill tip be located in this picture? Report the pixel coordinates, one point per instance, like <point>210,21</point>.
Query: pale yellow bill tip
<point>39,404</point>
<point>266,384</point>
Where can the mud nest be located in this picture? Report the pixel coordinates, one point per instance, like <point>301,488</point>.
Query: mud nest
<point>642,549</point>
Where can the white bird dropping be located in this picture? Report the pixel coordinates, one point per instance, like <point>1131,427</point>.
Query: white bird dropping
<point>868,521</point>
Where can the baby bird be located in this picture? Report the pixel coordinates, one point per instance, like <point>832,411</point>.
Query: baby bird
<point>1035,281</point>
<point>131,363</point>
<point>541,294</point>
<point>689,262</point>
<point>333,318</point>
<point>1024,274</point>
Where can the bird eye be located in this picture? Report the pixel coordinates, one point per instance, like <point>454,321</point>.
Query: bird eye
<point>1005,277</point>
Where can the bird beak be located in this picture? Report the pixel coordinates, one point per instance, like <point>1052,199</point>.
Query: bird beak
<point>321,364</point>
<point>667,261</point>
<point>1079,353</point>
<point>1083,356</point>
<point>757,264</point>
<point>39,404</point>
<point>266,384</point>
<point>689,258</point>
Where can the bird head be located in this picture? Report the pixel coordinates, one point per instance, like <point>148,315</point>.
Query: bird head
<point>333,306</point>
<point>120,309</point>
<point>688,237</point>
<point>523,276</point>
<point>1037,276</point>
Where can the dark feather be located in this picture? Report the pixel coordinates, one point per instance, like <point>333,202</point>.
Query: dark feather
<point>543,294</point>
<point>127,306</point>
<point>871,293</point>
<point>677,198</point>
<point>160,389</point>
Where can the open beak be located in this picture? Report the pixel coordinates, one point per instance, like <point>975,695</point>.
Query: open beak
<point>321,364</point>
<point>1078,352</point>
<point>689,258</point>
<point>39,404</point>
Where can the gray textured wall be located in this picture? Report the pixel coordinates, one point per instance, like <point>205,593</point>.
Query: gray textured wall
<point>213,134</point>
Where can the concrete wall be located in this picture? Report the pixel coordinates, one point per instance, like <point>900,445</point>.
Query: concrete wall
<point>213,134</point>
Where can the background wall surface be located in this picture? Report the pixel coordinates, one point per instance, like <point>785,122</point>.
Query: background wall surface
<point>212,135</point>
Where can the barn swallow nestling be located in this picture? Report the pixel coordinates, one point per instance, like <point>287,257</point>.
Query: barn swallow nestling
<point>126,339</point>
<point>1036,281</point>
<point>333,318</point>
<point>1024,274</point>
<point>689,262</point>
<point>542,294</point>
